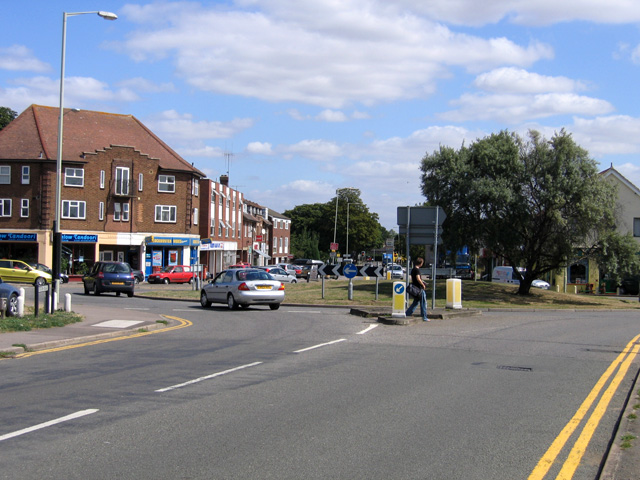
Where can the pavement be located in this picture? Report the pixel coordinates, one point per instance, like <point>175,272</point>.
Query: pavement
<point>109,322</point>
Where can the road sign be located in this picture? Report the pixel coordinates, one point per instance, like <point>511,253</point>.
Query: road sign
<point>350,270</point>
<point>334,246</point>
<point>329,270</point>
<point>335,270</point>
<point>421,216</point>
<point>371,271</point>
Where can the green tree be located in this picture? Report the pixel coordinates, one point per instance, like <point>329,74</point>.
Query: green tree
<point>532,201</point>
<point>6,116</point>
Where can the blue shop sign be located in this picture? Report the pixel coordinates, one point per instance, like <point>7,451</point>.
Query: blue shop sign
<point>172,241</point>
<point>19,237</point>
<point>74,237</point>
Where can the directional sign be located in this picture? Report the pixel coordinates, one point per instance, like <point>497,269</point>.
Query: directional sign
<point>421,216</point>
<point>371,271</point>
<point>350,270</point>
<point>329,270</point>
<point>335,270</point>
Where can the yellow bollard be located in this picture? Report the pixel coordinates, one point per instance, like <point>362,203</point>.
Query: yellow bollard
<point>454,293</point>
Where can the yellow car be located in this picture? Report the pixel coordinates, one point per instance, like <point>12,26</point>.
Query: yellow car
<point>17,271</point>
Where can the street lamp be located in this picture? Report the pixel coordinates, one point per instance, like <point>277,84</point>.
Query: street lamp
<point>335,226</point>
<point>57,238</point>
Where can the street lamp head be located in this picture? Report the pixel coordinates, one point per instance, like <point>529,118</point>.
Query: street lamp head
<point>108,15</point>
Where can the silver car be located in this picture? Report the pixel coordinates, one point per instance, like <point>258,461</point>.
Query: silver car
<point>243,287</point>
<point>280,274</point>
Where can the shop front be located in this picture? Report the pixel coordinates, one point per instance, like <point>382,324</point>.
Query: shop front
<point>216,256</point>
<point>19,246</point>
<point>161,252</point>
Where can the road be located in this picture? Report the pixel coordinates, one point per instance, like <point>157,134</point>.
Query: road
<point>318,393</point>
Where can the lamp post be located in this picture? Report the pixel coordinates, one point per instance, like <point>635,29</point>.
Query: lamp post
<point>335,226</point>
<point>347,249</point>
<point>57,238</point>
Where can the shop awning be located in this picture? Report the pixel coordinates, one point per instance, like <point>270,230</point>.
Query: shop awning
<point>268,257</point>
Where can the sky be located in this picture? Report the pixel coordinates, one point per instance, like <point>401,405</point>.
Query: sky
<point>294,99</point>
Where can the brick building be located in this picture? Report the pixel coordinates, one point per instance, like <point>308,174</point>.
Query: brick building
<point>126,195</point>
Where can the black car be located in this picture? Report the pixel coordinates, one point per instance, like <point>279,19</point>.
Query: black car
<point>109,277</point>
<point>138,275</point>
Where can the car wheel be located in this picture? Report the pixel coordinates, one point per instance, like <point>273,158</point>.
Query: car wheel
<point>12,305</point>
<point>136,281</point>
<point>95,289</point>
<point>40,281</point>
<point>129,294</point>
<point>165,281</point>
<point>204,301</point>
<point>294,281</point>
<point>274,306</point>
<point>231,302</point>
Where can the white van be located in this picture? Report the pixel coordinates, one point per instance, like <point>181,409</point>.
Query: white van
<point>505,275</point>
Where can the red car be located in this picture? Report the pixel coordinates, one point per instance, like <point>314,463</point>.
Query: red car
<point>172,274</point>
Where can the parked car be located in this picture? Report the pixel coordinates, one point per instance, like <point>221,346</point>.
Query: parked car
<point>39,266</point>
<point>138,275</point>
<point>243,287</point>
<point>17,271</point>
<point>630,285</point>
<point>241,265</point>
<point>172,274</point>
<point>11,293</point>
<point>540,284</point>
<point>109,277</point>
<point>280,274</point>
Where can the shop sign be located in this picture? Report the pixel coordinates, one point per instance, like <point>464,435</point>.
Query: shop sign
<point>19,237</point>
<point>73,237</point>
<point>153,240</point>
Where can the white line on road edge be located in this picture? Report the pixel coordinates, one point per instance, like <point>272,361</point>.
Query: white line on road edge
<point>73,416</point>
<point>208,377</point>
<point>320,345</point>
<point>370,327</point>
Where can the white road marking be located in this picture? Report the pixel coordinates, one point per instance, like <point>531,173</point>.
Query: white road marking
<point>73,416</point>
<point>208,377</point>
<point>370,327</point>
<point>118,323</point>
<point>136,308</point>
<point>320,345</point>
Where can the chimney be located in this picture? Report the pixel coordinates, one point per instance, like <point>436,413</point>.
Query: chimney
<point>224,180</point>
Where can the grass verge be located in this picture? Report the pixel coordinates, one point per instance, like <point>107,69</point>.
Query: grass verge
<point>43,320</point>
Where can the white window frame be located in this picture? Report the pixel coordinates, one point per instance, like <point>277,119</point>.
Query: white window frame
<point>140,181</point>
<point>195,187</point>
<point>122,180</point>
<point>195,216</point>
<point>26,174</point>
<point>74,209</point>
<point>5,207</point>
<point>167,183</point>
<point>101,211</point>
<point>73,177</point>
<point>166,213</point>
<point>117,212</point>
<point>102,179</point>
<point>24,208</point>
<point>125,212</point>
<point>5,174</point>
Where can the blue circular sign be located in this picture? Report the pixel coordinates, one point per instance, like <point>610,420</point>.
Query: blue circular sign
<point>399,288</point>
<point>350,270</point>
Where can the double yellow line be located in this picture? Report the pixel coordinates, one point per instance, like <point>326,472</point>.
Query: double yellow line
<point>182,323</point>
<point>621,364</point>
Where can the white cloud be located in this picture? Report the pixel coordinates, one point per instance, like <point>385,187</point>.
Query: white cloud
<point>332,116</point>
<point>143,85</point>
<point>319,150</point>
<point>20,58</point>
<point>329,54</point>
<point>518,80</point>
<point>171,124</point>
<point>260,148</point>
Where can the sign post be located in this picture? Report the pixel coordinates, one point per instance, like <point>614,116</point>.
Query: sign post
<point>399,300</point>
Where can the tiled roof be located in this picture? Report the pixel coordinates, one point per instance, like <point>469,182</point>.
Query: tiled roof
<point>34,135</point>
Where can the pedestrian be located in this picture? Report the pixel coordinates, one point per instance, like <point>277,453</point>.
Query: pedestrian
<point>421,298</point>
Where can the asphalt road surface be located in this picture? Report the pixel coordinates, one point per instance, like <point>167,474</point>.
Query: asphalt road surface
<point>318,393</point>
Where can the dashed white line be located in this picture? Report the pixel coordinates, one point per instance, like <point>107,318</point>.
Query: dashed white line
<point>370,327</point>
<point>320,345</point>
<point>208,377</point>
<point>73,416</point>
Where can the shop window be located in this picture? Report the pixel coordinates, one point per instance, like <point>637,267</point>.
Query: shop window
<point>167,183</point>
<point>5,207</point>
<point>24,208</point>
<point>166,213</point>
<point>5,174</point>
<point>74,177</point>
<point>74,209</point>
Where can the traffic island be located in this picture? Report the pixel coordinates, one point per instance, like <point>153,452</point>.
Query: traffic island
<point>384,315</point>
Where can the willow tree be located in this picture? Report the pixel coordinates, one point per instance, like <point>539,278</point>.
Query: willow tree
<point>532,201</point>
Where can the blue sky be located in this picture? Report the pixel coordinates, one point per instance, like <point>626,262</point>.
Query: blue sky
<point>311,96</point>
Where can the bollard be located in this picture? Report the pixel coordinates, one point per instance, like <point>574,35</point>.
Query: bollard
<point>67,302</point>
<point>21,302</point>
<point>454,293</point>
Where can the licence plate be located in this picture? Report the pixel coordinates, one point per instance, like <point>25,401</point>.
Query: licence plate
<point>264,287</point>
<point>117,283</point>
